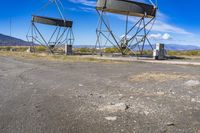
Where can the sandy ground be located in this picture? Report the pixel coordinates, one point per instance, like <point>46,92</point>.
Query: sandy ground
<point>38,96</point>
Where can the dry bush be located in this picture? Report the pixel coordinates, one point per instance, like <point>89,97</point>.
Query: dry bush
<point>48,57</point>
<point>158,76</point>
<point>184,53</point>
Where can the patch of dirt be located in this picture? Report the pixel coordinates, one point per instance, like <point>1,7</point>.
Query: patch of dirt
<point>109,118</point>
<point>192,83</point>
<point>114,107</point>
<point>158,76</point>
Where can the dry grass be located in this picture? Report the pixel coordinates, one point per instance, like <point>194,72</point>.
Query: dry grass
<point>47,57</point>
<point>158,76</point>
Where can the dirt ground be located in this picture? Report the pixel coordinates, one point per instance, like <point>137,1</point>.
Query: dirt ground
<point>38,96</point>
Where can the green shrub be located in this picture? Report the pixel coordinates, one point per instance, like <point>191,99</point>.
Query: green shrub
<point>8,48</point>
<point>40,49</point>
<point>85,50</point>
<point>111,50</point>
<point>184,53</point>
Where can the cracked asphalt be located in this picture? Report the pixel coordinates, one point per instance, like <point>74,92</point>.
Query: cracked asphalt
<point>38,96</point>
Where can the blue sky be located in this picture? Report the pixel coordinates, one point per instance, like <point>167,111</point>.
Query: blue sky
<point>178,21</point>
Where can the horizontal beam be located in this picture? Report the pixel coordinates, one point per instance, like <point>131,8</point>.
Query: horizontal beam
<point>127,7</point>
<point>51,21</point>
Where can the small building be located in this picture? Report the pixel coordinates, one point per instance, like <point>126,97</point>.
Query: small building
<point>159,53</point>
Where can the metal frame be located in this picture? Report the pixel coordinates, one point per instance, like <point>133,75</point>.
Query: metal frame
<point>130,42</point>
<point>61,36</point>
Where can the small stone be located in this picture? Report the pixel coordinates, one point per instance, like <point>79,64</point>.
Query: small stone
<point>146,112</point>
<point>120,95</point>
<point>127,107</point>
<point>80,85</point>
<point>131,97</point>
<point>30,83</point>
<point>78,96</point>
<point>120,98</point>
<point>110,118</point>
<point>112,103</point>
<point>173,93</point>
<point>114,107</point>
<point>193,100</point>
<point>170,124</point>
<point>160,93</point>
<point>192,83</point>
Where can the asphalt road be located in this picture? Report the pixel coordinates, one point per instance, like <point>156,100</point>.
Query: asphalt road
<point>38,96</point>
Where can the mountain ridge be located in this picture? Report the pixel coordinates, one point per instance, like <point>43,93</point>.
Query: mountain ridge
<point>175,47</point>
<point>6,40</point>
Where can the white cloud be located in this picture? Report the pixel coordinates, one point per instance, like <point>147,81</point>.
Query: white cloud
<point>162,16</point>
<point>87,9</point>
<point>166,36</point>
<point>161,24</point>
<point>84,2</point>
<point>159,36</point>
<point>155,36</point>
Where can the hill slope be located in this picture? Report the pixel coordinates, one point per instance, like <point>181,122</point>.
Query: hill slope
<point>12,41</point>
<point>175,47</point>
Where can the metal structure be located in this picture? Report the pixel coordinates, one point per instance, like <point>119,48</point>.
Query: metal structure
<point>159,52</point>
<point>136,34</point>
<point>62,34</point>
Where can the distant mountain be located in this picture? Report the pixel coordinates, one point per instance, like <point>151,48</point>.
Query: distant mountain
<point>12,41</point>
<point>84,46</point>
<point>175,47</point>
